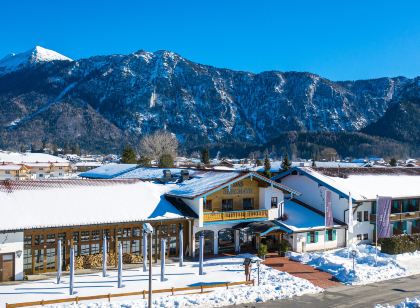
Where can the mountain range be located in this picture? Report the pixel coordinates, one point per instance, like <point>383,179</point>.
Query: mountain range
<point>105,102</point>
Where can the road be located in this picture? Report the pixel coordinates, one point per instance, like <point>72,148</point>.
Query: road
<point>386,292</point>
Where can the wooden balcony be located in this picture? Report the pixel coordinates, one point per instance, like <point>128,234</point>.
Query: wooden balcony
<point>234,215</point>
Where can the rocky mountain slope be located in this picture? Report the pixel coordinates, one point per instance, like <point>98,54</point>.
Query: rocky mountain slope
<point>103,102</point>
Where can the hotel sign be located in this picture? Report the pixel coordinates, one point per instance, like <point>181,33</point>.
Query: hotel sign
<point>237,189</point>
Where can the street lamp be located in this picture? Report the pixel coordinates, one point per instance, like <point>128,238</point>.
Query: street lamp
<point>148,229</point>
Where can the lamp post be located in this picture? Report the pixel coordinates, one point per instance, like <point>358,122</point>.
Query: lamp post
<point>144,251</point>
<point>201,257</point>
<point>59,261</point>
<point>148,229</point>
<point>71,285</point>
<point>104,256</point>
<point>120,265</point>
<point>181,245</point>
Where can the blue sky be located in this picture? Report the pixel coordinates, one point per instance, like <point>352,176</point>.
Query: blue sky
<point>340,40</point>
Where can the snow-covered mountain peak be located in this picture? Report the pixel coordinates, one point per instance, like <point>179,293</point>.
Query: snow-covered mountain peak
<point>38,54</point>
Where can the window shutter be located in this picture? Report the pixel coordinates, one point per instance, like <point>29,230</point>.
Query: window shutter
<point>334,237</point>
<point>308,237</point>
<point>316,236</point>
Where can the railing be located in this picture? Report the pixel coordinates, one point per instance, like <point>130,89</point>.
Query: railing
<point>143,293</point>
<point>399,216</point>
<point>235,215</point>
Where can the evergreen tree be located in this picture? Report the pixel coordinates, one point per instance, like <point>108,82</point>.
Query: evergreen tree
<point>166,161</point>
<point>144,161</point>
<point>267,167</point>
<point>258,162</point>
<point>286,164</point>
<point>393,162</point>
<point>205,156</point>
<point>128,156</point>
<point>313,163</point>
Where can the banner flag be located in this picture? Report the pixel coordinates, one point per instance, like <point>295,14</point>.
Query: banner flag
<point>383,212</point>
<point>329,221</point>
<point>350,221</point>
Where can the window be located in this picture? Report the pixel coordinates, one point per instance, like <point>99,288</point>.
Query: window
<point>274,202</point>
<point>395,206</point>
<point>85,235</point>
<point>136,232</point>
<point>94,248</point>
<point>50,258</point>
<point>359,216</point>
<point>312,237</point>
<point>50,238</point>
<point>7,171</point>
<point>41,175</point>
<point>366,215</point>
<point>248,203</point>
<point>227,205</point>
<point>135,247</point>
<point>365,237</point>
<point>27,259</point>
<point>359,237</point>
<point>39,240</point>
<point>96,235</point>
<point>84,250</point>
<point>208,205</point>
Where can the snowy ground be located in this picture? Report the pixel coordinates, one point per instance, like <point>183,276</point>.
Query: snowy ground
<point>407,303</point>
<point>368,269</point>
<point>274,285</point>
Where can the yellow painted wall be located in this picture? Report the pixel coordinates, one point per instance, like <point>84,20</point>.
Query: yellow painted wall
<point>238,191</point>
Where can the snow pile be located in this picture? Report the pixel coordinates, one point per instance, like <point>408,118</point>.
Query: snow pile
<point>407,303</point>
<point>368,268</point>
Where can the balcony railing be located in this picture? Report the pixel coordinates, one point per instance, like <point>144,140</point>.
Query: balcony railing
<point>234,215</point>
<point>399,216</point>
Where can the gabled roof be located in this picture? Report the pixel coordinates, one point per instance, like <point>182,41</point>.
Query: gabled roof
<point>209,182</point>
<point>322,180</point>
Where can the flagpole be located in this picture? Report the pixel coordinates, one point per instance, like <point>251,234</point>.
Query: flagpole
<point>325,217</point>
<point>376,231</point>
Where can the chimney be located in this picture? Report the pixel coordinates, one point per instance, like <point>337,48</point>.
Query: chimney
<point>185,175</point>
<point>167,174</point>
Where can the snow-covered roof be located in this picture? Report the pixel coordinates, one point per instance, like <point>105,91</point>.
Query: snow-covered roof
<point>11,167</point>
<point>145,173</point>
<point>207,182</point>
<point>369,186</point>
<point>108,171</point>
<point>42,204</point>
<point>23,158</point>
<point>300,218</point>
<point>276,165</point>
<point>365,186</point>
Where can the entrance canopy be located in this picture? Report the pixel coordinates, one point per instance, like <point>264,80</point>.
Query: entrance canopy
<point>261,227</point>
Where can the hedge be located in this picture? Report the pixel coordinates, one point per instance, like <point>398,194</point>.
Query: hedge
<point>400,243</point>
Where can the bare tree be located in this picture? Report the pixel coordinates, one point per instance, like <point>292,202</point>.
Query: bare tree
<point>159,143</point>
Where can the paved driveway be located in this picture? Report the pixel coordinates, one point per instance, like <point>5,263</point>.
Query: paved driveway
<point>317,277</point>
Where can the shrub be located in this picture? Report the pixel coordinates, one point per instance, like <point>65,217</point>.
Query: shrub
<point>284,246</point>
<point>262,250</point>
<point>400,244</point>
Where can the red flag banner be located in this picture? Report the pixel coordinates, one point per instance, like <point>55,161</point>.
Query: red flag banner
<point>329,220</point>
